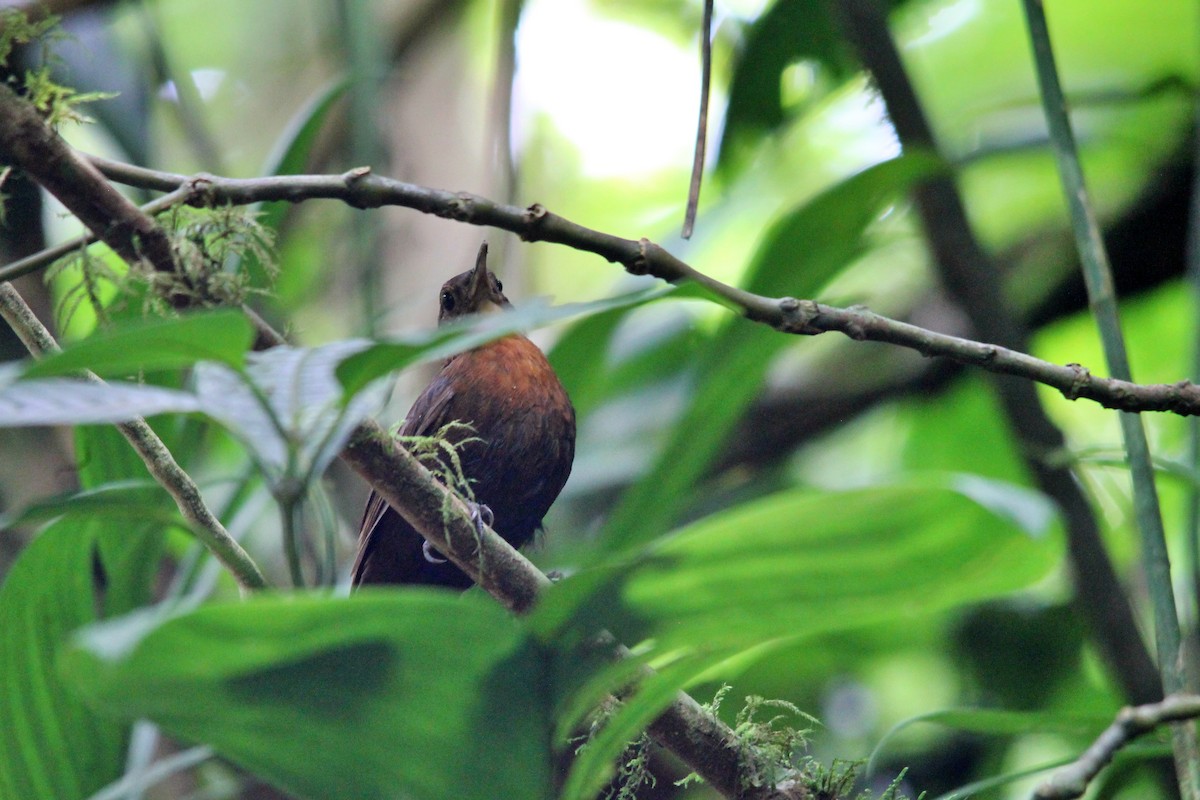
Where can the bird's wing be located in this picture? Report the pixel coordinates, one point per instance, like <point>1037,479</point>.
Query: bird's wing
<point>426,417</point>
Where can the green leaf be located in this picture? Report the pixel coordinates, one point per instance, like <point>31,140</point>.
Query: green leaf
<point>416,693</point>
<point>286,407</point>
<point>385,357</point>
<point>155,344</point>
<point>798,256</point>
<point>787,33</point>
<point>51,745</point>
<point>121,500</point>
<point>68,401</point>
<point>800,563</point>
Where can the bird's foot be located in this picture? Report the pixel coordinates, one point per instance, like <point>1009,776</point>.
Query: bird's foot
<point>431,555</point>
<point>482,516</point>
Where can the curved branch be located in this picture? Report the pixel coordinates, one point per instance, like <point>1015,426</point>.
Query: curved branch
<point>1072,781</point>
<point>361,189</point>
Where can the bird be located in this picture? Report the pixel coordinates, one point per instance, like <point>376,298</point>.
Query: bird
<point>505,413</point>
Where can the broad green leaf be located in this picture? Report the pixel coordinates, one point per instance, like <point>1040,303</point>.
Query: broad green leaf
<point>69,401</point>
<point>800,254</point>
<point>286,407</point>
<point>417,693</point>
<point>385,357</point>
<point>52,746</point>
<point>800,563</point>
<point>155,344</point>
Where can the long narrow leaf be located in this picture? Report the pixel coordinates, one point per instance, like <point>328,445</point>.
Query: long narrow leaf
<point>52,746</point>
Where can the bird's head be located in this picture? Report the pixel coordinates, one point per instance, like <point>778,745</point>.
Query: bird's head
<point>476,291</point>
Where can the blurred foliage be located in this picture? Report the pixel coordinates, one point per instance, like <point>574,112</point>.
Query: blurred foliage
<point>838,526</point>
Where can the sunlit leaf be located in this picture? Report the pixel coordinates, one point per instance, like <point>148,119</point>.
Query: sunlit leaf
<point>416,694</point>
<point>800,563</point>
<point>789,32</point>
<point>155,344</point>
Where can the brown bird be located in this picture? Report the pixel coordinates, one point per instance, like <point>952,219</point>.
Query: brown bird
<point>516,453</point>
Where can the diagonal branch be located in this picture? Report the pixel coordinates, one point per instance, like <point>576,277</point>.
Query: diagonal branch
<point>151,449</point>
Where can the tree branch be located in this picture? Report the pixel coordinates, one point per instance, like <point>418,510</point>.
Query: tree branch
<point>27,141</point>
<point>1072,781</point>
<point>361,189</point>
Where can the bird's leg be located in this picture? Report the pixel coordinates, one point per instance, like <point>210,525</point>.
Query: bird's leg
<point>481,515</point>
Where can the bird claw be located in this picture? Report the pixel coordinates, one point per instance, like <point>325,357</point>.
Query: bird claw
<point>430,556</point>
<point>482,516</point>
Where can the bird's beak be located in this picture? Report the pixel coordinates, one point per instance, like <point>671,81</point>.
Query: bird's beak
<point>481,285</point>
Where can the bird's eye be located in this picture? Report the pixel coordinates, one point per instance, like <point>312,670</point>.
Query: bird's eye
<point>447,301</point>
<point>499,285</point>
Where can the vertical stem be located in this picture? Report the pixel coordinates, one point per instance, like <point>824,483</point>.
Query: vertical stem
<point>289,513</point>
<point>1191,602</point>
<point>364,50</point>
<point>499,142</point>
<point>693,201</point>
<point>1101,297</point>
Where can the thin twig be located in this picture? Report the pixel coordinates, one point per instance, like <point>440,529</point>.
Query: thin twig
<point>157,458</point>
<point>1102,298</point>
<point>689,219</point>
<point>1131,722</point>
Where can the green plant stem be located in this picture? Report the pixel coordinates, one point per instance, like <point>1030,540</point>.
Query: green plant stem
<point>1192,533</point>
<point>1101,297</point>
<point>157,458</point>
<point>361,42</point>
<point>289,513</point>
